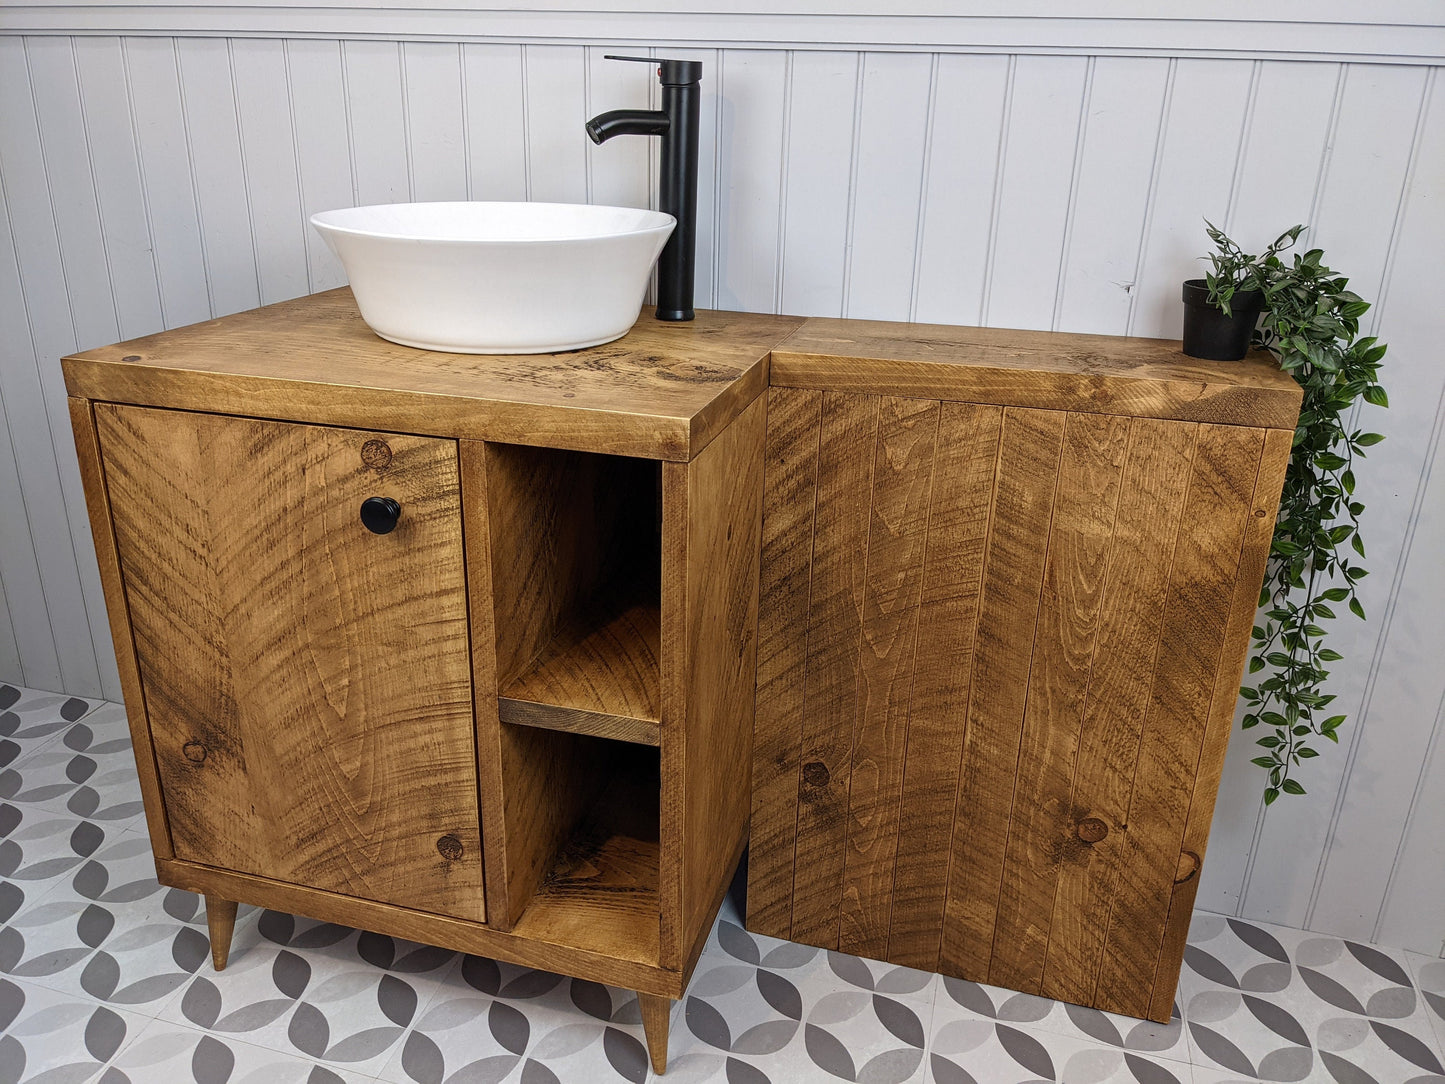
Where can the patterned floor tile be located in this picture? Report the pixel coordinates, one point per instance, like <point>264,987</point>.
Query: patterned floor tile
<point>967,1047</point>
<point>1429,975</point>
<point>173,1053</point>
<point>59,1037</point>
<point>315,990</point>
<point>1288,1005</point>
<point>88,772</point>
<point>41,849</point>
<point>29,721</point>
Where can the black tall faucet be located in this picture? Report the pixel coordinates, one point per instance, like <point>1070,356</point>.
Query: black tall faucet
<point>676,122</point>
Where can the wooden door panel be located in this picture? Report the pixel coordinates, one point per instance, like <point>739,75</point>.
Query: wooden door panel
<point>997,663</point>
<point>307,682</point>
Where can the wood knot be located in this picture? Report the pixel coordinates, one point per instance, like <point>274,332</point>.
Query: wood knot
<point>815,773</point>
<point>449,847</point>
<point>376,454</point>
<point>1260,513</point>
<point>1188,866</point>
<point>1092,829</point>
<point>131,357</point>
<point>194,751</point>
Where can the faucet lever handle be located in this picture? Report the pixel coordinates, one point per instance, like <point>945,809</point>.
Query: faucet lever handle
<point>679,73</point>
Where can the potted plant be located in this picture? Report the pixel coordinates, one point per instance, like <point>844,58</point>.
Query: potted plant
<point>1222,309</point>
<point>1311,324</point>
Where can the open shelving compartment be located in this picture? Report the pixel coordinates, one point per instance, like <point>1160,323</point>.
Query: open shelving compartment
<point>575,546</point>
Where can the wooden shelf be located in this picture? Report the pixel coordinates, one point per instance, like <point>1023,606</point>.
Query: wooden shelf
<point>598,675</point>
<point>600,893</point>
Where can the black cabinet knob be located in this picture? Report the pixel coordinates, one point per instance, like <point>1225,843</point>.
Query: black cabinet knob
<point>379,514</point>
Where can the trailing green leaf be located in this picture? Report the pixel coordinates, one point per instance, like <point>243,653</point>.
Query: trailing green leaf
<point>1311,324</point>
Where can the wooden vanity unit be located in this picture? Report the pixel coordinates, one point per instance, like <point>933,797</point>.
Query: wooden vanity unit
<point>1008,581</point>
<point>517,724</point>
<point>466,649</point>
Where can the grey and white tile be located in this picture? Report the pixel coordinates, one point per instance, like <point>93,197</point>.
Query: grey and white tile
<point>1429,975</point>
<point>58,1037</point>
<point>170,1052</point>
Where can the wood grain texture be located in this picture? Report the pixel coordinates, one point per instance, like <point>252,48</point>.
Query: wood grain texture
<point>835,627</point>
<point>425,927</point>
<point>1028,470</point>
<point>1136,581</point>
<point>1258,536</point>
<point>307,683</point>
<point>220,924</point>
<point>903,461</point>
<point>965,463</point>
<point>656,1012</point>
<point>1040,825</point>
<point>578,721</point>
<point>1201,592</point>
<point>790,486</point>
<point>663,391</point>
<point>712,524</point>
<point>97,502</point>
<point>1050,370</point>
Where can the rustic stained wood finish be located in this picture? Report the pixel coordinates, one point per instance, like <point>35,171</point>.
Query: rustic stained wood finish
<point>307,682</point>
<point>999,653</point>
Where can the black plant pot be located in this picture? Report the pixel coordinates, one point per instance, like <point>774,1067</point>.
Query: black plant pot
<point>1208,333</point>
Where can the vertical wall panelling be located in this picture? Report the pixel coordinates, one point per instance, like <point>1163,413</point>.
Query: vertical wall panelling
<point>1377,792</point>
<point>115,167</point>
<point>152,181</point>
<point>1036,181</point>
<point>958,198</point>
<point>1201,133</point>
<point>892,128</point>
<point>619,170</point>
<point>492,102</point>
<point>376,121</point>
<point>323,148</point>
<point>749,165</point>
<point>1111,199</point>
<point>1368,167</point>
<point>556,99</point>
<point>435,123</point>
<point>37,296</point>
<point>208,90</point>
<point>820,108</point>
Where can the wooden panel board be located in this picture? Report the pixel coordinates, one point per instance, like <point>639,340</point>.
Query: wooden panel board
<point>965,463</point>
<point>1151,501</point>
<point>835,623</point>
<point>292,661</point>
<point>903,472</point>
<point>1201,590</point>
<point>662,392</point>
<point>1028,469</point>
<point>789,495</point>
<point>1041,825</point>
<point>1090,373</point>
<point>712,523</point>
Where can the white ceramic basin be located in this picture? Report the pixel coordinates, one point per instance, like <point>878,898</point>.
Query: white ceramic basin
<point>497,278</point>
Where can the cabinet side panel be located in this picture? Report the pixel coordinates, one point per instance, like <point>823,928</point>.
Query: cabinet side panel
<point>308,682</point>
<point>835,628</point>
<point>97,502</point>
<point>707,740</point>
<point>1258,535</point>
<point>1040,826</point>
<point>965,461</point>
<point>1027,480</point>
<point>1151,501</point>
<point>903,467</point>
<point>1201,591</point>
<point>790,488</point>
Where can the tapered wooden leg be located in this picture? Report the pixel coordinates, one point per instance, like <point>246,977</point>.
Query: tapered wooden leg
<point>655,1013</point>
<point>220,921</point>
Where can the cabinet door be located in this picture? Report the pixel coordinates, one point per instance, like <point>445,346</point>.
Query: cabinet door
<point>307,682</point>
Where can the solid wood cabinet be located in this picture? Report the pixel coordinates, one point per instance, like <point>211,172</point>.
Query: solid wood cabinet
<point>516,723</point>
<point>1008,580</point>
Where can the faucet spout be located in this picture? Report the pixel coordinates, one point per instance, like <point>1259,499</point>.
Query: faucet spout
<point>618,122</point>
<point>677,125</point>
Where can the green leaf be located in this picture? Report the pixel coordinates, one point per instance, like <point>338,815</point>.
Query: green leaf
<point>1336,594</point>
<point>1263,762</point>
<point>1376,395</point>
<point>1329,654</point>
<point>1357,609</point>
<point>1368,440</point>
<point>1269,741</point>
<point>1270,794</point>
<point>1306,752</point>
<point>1291,787</point>
<point>1256,664</point>
<point>1357,544</point>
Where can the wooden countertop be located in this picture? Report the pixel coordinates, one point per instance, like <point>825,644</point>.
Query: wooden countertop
<point>662,391</point>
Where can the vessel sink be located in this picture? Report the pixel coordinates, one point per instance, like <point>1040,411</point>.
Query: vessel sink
<point>497,278</point>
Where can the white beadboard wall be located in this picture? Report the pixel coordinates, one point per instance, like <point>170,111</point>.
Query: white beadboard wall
<point>157,179</point>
